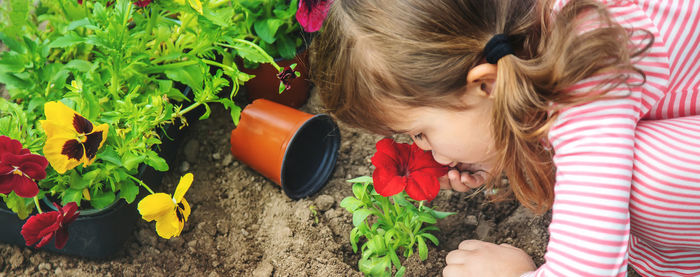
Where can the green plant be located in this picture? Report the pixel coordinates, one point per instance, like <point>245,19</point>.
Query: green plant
<point>119,64</point>
<point>389,227</point>
<point>272,25</point>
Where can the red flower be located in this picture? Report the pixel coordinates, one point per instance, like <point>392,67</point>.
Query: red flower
<point>142,3</point>
<point>45,226</point>
<point>311,14</point>
<point>19,168</point>
<point>402,166</point>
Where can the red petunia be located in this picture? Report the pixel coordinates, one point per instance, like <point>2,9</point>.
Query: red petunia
<point>311,14</point>
<point>45,226</point>
<point>19,168</point>
<point>402,166</point>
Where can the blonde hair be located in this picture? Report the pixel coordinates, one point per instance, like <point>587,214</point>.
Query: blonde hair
<point>418,53</point>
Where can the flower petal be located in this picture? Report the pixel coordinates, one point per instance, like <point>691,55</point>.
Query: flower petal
<point>24,186</point>
<point>60,116</point>
<point>13,146</point>
<point>395,185</point>
<point>6,168</point>
<point>7,182</point>
<point>54,149</point>
<point>70,213</point>
<point>311,17</point>
<point>61,237</point>
<point>186,209</point>
<point>168,225</point>
<point>182,187</point>
<point>40,226</point>
<point>422,186</point>
<point>30,164</point>
<point>156,206</point>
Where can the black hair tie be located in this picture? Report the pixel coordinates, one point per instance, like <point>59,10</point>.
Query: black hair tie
<point>496,48</point>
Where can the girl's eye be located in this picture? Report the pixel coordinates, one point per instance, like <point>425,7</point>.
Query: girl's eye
<point>418,136</point>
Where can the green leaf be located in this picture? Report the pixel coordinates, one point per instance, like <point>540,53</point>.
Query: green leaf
<point>78,182</point>
<point>71,195</point>
<point>441,215</point>
<point>249,52</point>
<point>359,216</point>
<point>11,43</point>
<point>286,48</point>
<point>21,206</point>
<point>128,190</point>
<point>361,179</point>
<point>188,75</point>
<point>267,29</point>
<point>427,218</point>
<point>11,62</point>
<point>78,23</point>
<point>102,200</point>
<point>422,248</point>
<point>131,161</point>
<point>156,161</point>
<point>281,88</point>
<point>66,41</point>
<point>430,237</point>
<point>80,65</point>
<point>400,272</point>
<point>381,267</point>
<point>235,114</point>
<point>351,203</point>
<point>354,238</point>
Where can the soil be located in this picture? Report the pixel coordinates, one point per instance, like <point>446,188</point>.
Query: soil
<point>244,225</point>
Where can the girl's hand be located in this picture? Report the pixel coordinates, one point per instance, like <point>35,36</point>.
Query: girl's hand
<point>480,258</point>
<point>462,178</point>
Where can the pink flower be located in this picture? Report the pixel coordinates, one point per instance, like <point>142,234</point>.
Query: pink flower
<point>142,3</point>
<point>45,226</point>
<point>19,168</point>
<point>311,14</point>
<point>402,166</point>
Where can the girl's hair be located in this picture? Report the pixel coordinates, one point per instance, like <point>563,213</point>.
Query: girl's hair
<point>372,53</point>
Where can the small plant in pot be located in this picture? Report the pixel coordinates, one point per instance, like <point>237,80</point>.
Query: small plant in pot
<point>96,88</point>
<point>282,28</point>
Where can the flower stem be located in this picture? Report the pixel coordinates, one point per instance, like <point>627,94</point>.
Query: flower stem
<point>186,110</point>
<point>36,202</point>
<point>141,183</point>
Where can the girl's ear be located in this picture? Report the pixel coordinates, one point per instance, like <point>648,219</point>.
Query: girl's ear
<point>483,76</point>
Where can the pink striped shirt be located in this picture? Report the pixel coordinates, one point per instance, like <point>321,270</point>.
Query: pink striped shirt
<point>628,169</point>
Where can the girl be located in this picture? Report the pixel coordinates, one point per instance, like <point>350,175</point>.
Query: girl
<point>590,108</point>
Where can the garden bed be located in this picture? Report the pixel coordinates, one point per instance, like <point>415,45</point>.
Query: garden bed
<point>244,225</point>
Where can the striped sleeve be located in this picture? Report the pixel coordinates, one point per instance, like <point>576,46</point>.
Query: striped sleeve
<point>594,146</point>
<point>594,155</point>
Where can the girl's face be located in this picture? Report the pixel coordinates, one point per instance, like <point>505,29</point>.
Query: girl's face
<point>455,136</point>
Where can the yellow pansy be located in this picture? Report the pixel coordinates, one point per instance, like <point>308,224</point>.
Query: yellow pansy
<point>169,213</point>
<point>71,139</point>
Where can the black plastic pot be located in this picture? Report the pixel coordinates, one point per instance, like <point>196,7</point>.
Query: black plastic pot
<point>98,234</point>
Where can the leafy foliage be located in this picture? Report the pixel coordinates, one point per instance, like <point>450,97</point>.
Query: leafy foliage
<point>119,64</point>
<point>389,228</point>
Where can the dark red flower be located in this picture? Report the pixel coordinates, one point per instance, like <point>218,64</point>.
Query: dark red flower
<point>286,76</point>
<point>80,2</point>
<point>311,14</point>
<point>142,3</point>
<point>402,166</point>
<point>54,224</point>
<point>19,168</point>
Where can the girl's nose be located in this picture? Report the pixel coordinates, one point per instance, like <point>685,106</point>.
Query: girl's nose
<point>441,159</point>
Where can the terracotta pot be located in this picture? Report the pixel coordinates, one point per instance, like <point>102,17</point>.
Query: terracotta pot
<point>294,149</point>
<point>265,84</point>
